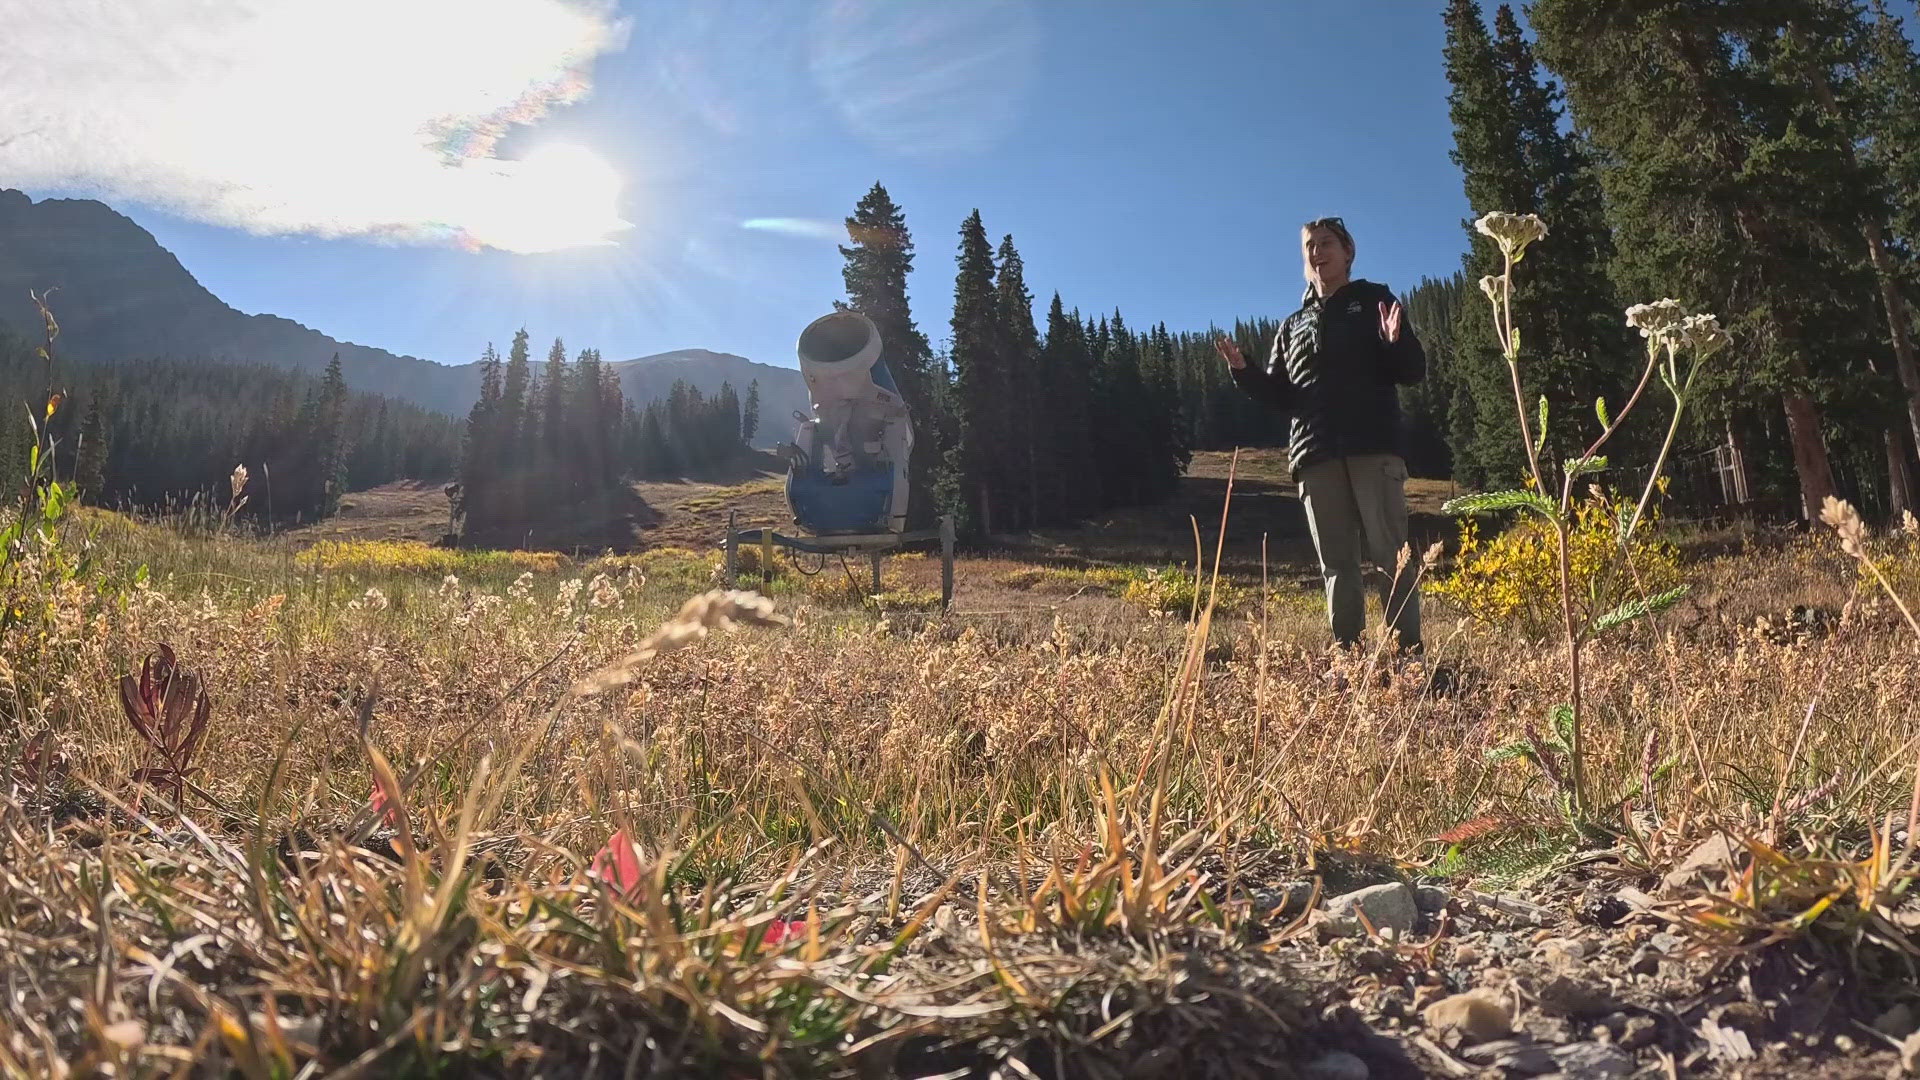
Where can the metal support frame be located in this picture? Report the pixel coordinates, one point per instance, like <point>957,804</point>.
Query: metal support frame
<point>873,545</point>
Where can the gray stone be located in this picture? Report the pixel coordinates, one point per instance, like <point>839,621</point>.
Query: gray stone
<point>1701,862</point>
<point>1645,961</point>
<point>1431,899</point>
<point>1593,1061</point>
<point>1389,906</point>
<point>1337,1065</point>
<point>1667,944</point>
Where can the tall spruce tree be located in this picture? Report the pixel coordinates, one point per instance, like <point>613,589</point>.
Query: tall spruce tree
<point>330,435</point>
<point>750,413</point>
<point>1070,480</point>
<point>1019,360</point>
<point>1515,155</point>
<point>878,258</point>
<point>979,381</point>
<point>90,468</point>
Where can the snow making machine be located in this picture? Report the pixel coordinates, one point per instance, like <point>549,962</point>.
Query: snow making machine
<point>847,480</point>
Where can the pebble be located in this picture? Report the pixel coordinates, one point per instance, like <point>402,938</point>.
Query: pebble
<point>1564,952</point>
<point>1592,1061</point>
<point>1430,899</point>
<point>1639,1032</point>
<point>1389,906</point>
<point>1337,1065</point>
<point>1477,1018</point>
<point>1668,944</point>
<point>1645,961</point>
<point>1465,955</point>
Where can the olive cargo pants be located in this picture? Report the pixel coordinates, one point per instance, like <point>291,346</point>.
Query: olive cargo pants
<point>1358,506</point>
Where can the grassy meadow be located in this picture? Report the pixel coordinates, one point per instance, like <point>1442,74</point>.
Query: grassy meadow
<point>497,813</point>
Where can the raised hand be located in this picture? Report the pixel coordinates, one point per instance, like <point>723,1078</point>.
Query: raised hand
<point>1390,318</point>
<point>1230,352</point>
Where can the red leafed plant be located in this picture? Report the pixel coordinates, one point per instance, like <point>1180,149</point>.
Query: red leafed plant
<point>169,707</point>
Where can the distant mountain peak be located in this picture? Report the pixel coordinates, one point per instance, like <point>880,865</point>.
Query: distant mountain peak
<point>120,296</point>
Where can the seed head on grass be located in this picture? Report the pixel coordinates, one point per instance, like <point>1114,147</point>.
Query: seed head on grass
<point>719,609</point>
<point>1845,520</point>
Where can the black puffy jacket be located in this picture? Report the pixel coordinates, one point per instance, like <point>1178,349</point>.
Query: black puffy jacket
<point>1334,374</point>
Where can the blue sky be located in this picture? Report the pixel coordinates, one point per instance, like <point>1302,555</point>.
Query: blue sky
<point>1151,156</point>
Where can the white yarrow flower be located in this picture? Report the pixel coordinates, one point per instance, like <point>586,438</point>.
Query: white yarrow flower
<point>1658,319</point>
<point>1491,286</point>
<point>1513,232</point>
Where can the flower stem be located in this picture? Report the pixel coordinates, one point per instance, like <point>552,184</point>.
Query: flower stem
<point>1659,463</point>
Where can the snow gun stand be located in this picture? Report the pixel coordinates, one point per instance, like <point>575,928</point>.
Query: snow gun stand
<point>873,545</point>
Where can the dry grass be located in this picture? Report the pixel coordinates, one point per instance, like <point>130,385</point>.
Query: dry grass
<point>970,827</point>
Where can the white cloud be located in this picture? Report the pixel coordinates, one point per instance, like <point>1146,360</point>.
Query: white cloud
<point>368,118</point>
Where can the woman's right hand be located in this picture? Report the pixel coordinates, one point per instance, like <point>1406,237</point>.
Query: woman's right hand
<point>1230,352</point>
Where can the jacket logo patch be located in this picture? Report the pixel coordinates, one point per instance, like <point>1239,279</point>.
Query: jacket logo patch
<point>1355,308</point>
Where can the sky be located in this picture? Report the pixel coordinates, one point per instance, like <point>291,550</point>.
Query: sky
<point>427,176</point>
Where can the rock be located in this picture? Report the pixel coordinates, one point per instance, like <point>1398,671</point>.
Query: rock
<point>1667,944</point>
<point>1564,952</point>
<point>1604,911</point>
<point>1477,1019</point>
<point>1897,1022</point>
<point>1592,1061</point>
<point>1715,851</point>
<point>1389,906</point>
<point>1431,899</point>
<point>1515,1055</point>
<point>1645,961</point>
<point>1638,1032</point>
<point>1580,999</point>
<point>1465,954</point>
<point>1337,1065</point>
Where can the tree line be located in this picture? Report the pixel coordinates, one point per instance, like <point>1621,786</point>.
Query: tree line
<point>153,434</point>
<point>563,438</point>
<point>1015,428</point>
<point>1759,161</point>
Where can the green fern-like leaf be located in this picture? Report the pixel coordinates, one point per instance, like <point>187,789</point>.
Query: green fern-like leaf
<point>1490,501</point>
<point>1600,410</point>
<point>1513,751</point>
<point>1562,719</point>
<point>1578,467</point>
<point>1638,608</point>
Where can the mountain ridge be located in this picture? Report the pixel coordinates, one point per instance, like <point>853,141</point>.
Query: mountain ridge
<point>120,296</point>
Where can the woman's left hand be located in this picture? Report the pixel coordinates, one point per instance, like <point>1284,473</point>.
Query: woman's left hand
<point>1390,315</point>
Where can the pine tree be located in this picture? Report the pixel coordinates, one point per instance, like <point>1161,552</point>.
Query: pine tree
<point>1067,376</point>
<point>513,391</point>
<point>559,386</point>
<point>477,459</point>
<point>750,413</point>
<point>1515,154</point>
<point>978,379</point>
<point>877,261</point>
<point>330,439</point>
<point>1019,360</point>
<point>90,468</point>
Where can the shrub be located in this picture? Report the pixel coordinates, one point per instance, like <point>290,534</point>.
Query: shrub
<point>1514,578</point>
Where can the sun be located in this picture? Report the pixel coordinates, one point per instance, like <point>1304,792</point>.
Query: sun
<point>558,196</point>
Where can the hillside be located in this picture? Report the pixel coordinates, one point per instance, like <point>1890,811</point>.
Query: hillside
<point>121,296</point>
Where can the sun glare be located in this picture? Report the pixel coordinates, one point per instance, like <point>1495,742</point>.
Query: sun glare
<point>559,196</point>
